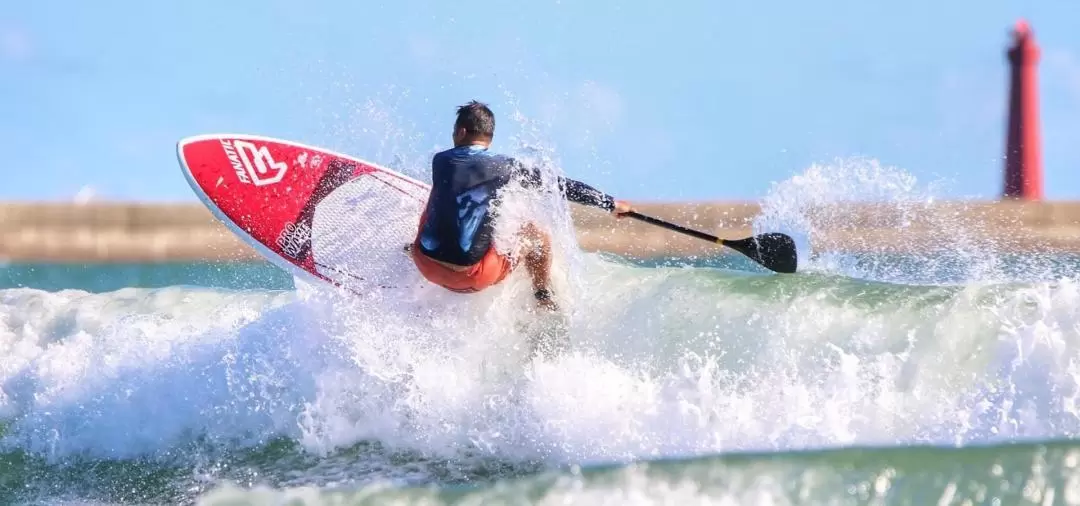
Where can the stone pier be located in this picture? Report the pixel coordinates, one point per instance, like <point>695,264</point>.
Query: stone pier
<point>145,232</point>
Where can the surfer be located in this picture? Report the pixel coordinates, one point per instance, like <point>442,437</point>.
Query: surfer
<point>453,246</point>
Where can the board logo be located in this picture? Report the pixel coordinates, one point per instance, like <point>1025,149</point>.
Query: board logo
<point>293,238</point>
<point>252,164</point>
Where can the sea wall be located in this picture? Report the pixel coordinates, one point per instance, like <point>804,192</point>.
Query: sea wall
<point>124,232</point>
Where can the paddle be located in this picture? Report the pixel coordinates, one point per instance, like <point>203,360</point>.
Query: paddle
<point>774,251</point>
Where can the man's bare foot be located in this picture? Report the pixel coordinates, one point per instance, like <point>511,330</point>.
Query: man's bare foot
<point>544,300</point>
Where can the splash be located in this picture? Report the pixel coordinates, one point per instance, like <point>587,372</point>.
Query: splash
<point>665,362</point>
<point>847,216</point>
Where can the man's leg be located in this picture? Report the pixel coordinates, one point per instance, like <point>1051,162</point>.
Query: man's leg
<point>537,253</point>
<point>552,338</point>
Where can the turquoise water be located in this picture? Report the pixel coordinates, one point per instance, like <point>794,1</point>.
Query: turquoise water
<point>692,381</point>
<point>111,277</point>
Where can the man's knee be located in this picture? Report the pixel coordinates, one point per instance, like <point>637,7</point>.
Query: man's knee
<point>533,238</point>
<point>534,233</point>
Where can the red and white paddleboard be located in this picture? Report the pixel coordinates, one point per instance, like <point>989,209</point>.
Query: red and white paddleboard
<point>313,212</point>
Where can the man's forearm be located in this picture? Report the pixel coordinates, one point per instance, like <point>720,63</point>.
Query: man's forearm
<point>581,193</point>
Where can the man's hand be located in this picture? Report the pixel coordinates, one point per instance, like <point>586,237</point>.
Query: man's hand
<point>621,207</point>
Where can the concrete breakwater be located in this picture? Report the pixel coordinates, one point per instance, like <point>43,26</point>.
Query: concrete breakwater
<point>152,232</point>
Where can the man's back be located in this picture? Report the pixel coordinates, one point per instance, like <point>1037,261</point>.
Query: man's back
<point>465,181</point>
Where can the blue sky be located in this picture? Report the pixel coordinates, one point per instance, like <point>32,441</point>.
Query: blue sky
<point>646,100</point>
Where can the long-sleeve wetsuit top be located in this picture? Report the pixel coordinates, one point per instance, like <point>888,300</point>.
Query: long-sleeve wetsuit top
<point>465,185</point>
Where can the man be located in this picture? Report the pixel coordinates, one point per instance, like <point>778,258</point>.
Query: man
<point>453,246</point>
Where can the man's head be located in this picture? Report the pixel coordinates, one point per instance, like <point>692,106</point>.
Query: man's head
<point>475,124</point>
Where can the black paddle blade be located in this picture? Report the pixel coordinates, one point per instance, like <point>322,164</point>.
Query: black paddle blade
<point>775,251</point>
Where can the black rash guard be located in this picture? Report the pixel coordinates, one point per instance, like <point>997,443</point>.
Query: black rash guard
<point>464,191</point>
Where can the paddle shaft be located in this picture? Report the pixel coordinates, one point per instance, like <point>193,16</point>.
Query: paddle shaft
<point>774,251</point>
<point>677,228</point>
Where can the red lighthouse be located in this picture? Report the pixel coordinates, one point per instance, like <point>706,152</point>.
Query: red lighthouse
<point>1023,157</point>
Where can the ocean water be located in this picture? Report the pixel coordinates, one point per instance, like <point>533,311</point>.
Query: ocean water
<point>944,377</point>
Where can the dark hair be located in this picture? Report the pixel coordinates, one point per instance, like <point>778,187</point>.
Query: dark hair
<point>476,118</point>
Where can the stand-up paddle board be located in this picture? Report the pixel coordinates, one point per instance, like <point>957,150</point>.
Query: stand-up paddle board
<point>315,213</point>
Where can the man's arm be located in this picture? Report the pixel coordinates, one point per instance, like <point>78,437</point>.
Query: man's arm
<point>581,193</point>
<point>571,189</point>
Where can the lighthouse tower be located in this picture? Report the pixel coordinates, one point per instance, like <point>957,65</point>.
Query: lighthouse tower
<point>1023,156</point>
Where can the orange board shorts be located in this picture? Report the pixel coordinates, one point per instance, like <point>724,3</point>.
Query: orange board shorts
<point>489,271</point>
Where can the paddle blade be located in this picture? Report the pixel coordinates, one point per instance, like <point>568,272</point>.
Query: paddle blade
<point>774,251</point>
